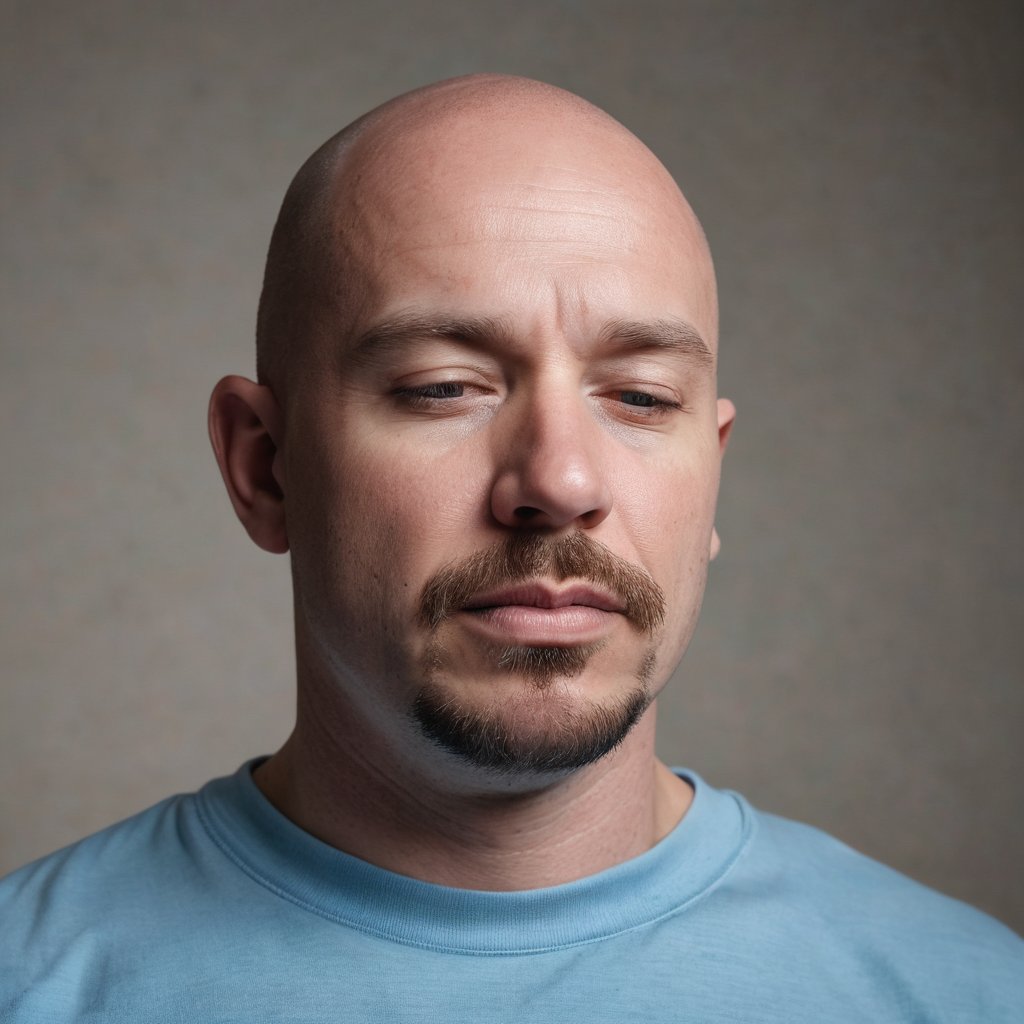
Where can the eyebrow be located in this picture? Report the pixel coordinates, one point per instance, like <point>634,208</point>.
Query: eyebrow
<point>671,334</point>
<point>406,328</point>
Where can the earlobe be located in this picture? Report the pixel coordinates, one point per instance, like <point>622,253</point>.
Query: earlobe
<point>245,426</point>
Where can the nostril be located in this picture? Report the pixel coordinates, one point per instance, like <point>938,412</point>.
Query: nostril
<point>527,512</point>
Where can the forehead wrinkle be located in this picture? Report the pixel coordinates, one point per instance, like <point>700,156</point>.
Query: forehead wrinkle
<point>584,232</point>
<point>533,194</point>
<point>564,202</point>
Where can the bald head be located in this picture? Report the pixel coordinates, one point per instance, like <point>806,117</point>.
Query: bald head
<point>503,143</point>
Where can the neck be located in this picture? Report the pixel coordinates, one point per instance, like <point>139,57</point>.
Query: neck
<point>325,781</point>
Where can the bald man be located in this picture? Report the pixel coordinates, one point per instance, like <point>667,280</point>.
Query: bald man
<point>486,428</point>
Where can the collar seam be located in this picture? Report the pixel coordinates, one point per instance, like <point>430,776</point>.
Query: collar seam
<point>223,843</point>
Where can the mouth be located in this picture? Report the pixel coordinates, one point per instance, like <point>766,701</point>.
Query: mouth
<point>540,615</point>
<point>539,595</point>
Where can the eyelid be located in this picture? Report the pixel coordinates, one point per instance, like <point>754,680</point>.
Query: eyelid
<point>664,394</point>
<point>472,389</point>
<point>441,374</point>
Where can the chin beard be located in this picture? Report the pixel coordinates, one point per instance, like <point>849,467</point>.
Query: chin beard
<point>546,729</point>
<point>541,732</point>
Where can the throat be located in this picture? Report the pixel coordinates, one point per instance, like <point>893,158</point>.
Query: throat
<point>499,840</point>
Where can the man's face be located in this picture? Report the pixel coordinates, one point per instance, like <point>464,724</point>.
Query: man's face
<point>501,476</point>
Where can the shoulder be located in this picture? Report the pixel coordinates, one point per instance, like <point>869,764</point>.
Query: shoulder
<point>77,875</point>
<point>111,867</point>
<point>866,892</point>
<point>66,914</point>
<point>871,919</point>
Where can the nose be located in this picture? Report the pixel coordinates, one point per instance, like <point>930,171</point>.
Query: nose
<point>550,467</point>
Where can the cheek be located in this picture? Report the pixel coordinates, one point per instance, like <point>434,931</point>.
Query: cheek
<point>398,506</point>
<point>670,509</point>
<point>670,515</point>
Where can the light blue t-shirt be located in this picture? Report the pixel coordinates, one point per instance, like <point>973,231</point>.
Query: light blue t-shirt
<point>214,907</point>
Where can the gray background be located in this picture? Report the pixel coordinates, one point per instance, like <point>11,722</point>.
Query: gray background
<point>858,169</point>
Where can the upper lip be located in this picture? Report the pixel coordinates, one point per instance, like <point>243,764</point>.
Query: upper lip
<point>541,595</point>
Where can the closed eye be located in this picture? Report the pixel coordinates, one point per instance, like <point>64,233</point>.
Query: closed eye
<point>433,392</point>
<point>443,397</point>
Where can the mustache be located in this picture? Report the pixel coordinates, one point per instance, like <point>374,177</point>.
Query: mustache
<point>527,556</point>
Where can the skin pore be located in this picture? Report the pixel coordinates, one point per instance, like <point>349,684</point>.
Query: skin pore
<point>486,427</point>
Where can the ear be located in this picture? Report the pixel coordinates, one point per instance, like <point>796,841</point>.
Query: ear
<point>246,431</point>
<point>726,418</point>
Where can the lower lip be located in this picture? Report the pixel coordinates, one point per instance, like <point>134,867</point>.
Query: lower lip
<point>540,627</point>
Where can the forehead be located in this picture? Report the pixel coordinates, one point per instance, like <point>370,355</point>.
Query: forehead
<point>517,221</point>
